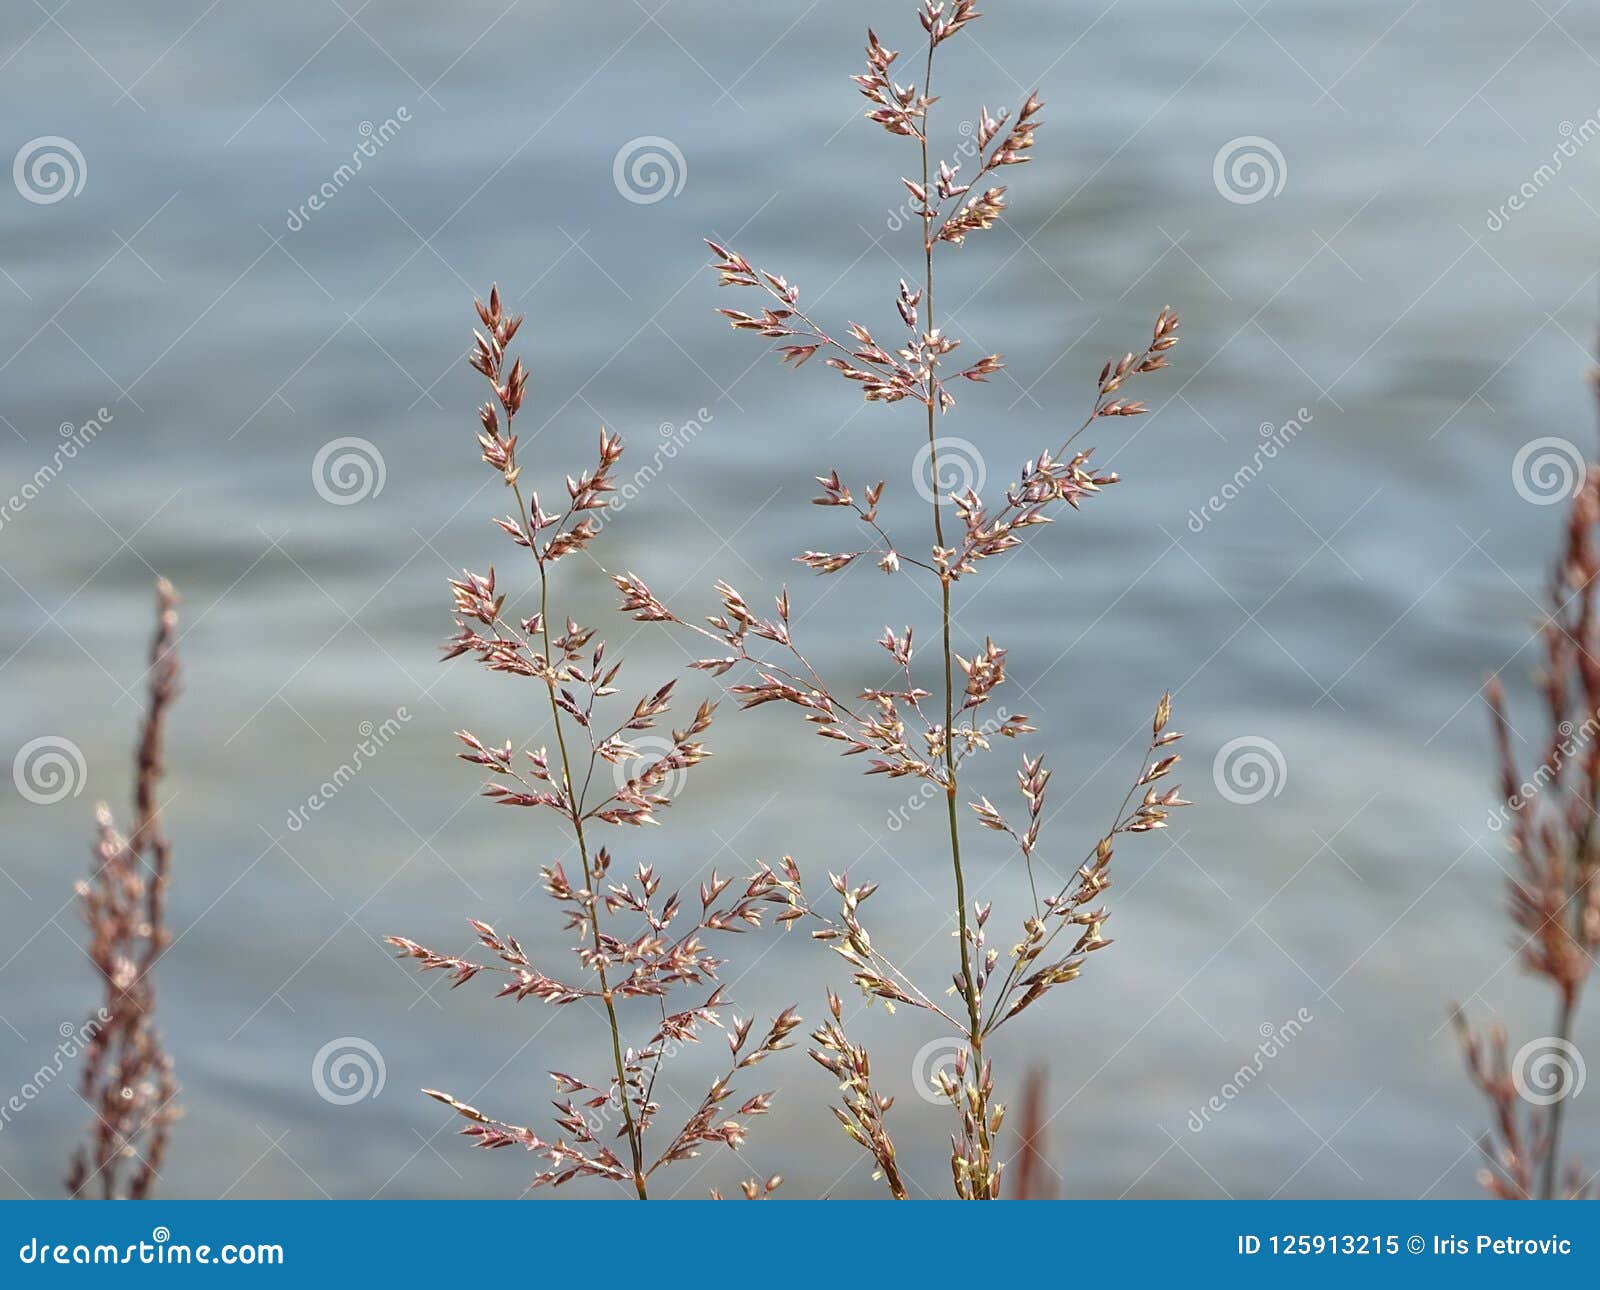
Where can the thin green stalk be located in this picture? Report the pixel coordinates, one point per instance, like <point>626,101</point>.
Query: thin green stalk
<point>591,880</point>
<point>969,981</point>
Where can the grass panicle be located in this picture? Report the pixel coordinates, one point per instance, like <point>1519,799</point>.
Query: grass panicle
<point>128,1082</point>
<point>643,951</point>
<point>928,727</point>
<point>1552,825</point>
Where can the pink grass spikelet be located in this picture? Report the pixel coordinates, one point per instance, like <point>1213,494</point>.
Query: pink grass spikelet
<point>634,943</point>
<point>128,1082</point>
<point>1553,834</point>
<point>928,729</point>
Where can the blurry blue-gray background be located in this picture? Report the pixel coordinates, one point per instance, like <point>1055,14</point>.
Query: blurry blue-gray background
<point>1342,608</point>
